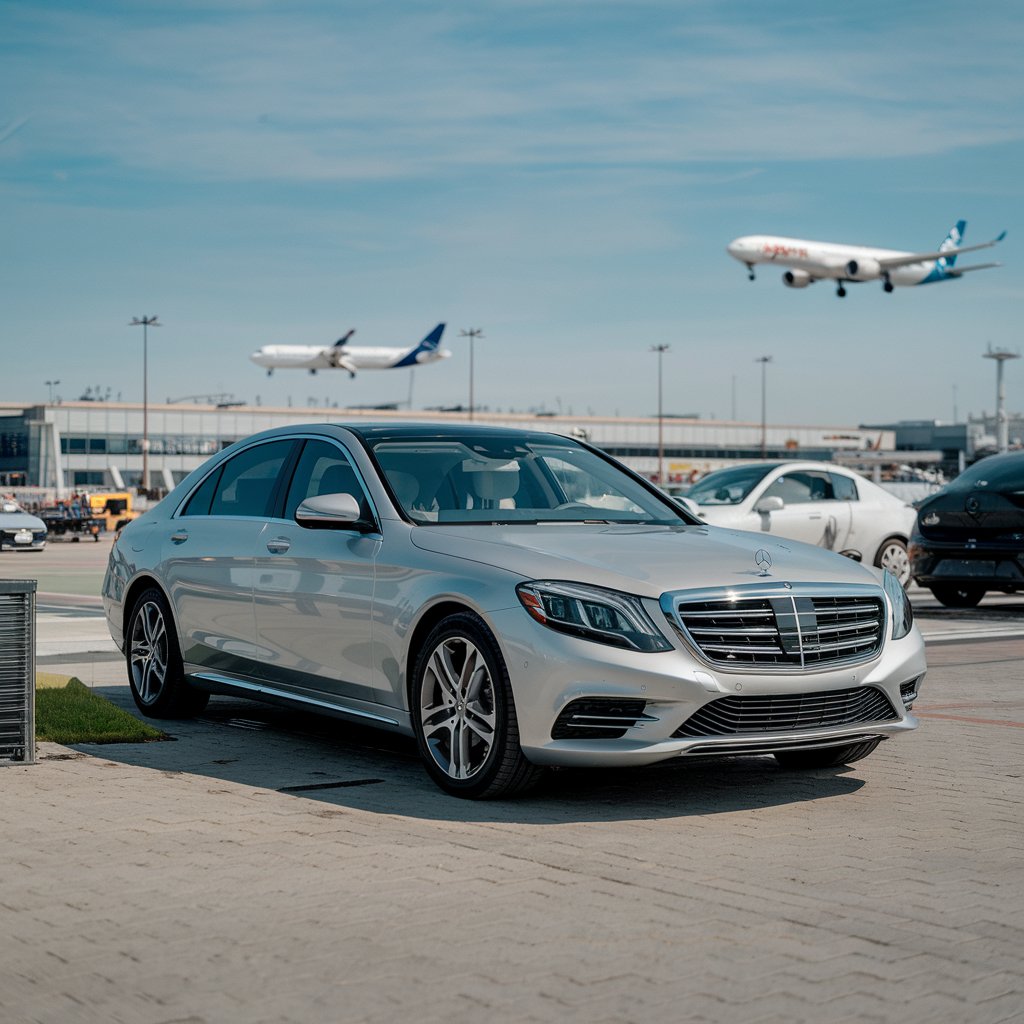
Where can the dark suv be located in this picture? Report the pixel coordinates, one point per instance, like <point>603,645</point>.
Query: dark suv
<point>969,537</point>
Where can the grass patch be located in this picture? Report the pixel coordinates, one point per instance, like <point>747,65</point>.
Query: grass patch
<point>74,714</point>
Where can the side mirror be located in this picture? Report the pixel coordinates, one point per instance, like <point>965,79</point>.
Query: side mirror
<point>690,506</point>
<point>329,512</point>
<point>772,503</point>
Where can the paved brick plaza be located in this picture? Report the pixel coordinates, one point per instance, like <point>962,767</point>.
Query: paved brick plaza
<point>175,882</point>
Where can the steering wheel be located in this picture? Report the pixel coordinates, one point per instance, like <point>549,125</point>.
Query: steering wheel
<point>573,504</point>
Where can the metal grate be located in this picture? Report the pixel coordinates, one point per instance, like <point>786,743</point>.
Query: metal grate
<point>17,670</point>
<point>790,631</point>
<point>597,718</point>
<point>777,713</point>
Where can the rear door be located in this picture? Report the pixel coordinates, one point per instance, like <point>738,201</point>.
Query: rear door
<point>208,558</point>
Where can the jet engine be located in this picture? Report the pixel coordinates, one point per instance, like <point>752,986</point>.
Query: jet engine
<point>796,279</point>
<point>863,270</point>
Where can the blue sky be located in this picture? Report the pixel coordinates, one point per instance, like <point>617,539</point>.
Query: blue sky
<point>563,174</point>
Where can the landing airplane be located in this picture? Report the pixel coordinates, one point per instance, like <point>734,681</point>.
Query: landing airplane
<point>342,356</point>
<point>848,264</point>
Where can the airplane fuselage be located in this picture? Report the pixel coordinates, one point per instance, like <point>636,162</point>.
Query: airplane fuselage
<point>808,261</point>
<point>831,260</point>
<point>317,357</point>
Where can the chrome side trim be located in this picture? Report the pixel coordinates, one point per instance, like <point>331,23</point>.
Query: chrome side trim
<point>258,688</point>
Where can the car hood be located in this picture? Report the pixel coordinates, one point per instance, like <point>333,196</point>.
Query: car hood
<point>20,521</point>
<point>644,560</point>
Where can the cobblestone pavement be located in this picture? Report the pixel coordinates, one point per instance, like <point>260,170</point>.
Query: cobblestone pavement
<point>270,867</point>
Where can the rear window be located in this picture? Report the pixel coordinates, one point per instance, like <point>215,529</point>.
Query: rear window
<point>996,473</point>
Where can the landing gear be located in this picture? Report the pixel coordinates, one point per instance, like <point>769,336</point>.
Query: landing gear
<point>840,290</point>
<point>312,373</point>
<point>750,272</point>
<point>887,285</point>
<point>270,373</point>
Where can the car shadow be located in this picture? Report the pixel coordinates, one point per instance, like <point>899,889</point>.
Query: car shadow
<point>342,766</point>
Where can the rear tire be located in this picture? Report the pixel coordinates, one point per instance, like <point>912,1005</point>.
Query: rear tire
<point>953,595</point>
<point>892,555</point>
<point>155,671</point>
<point>464,716</point>
<point>829,757</point>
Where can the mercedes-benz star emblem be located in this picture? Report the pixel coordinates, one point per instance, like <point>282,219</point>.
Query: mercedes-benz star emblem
<point>763,560</point>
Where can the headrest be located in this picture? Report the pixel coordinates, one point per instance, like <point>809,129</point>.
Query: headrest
<point>405,486</point>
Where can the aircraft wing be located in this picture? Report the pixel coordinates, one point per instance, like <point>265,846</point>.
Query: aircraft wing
<point>923,257</point>
<point>958,271</point>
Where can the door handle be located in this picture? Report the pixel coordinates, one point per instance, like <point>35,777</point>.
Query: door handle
<point>279,545</point>
<point>814,515</point>
<point>180,537</point>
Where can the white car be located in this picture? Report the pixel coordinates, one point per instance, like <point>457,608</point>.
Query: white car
<point>20,531</point>
<point>814,502</point>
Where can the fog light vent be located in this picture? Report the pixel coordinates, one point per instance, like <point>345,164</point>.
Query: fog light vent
<point>908,692</point>
<point>597,718</point>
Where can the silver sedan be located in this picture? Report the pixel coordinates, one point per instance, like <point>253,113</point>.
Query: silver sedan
<point>511,599</point>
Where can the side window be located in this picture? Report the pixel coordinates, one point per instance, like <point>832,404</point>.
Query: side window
<point>323,468</point>
<point>800,488</point>
<point>844,487</point>
<point>247,482</point>
<point>202,498</point>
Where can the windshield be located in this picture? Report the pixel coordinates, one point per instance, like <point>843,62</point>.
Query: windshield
<point>514,481</point>
<point>727,486</point>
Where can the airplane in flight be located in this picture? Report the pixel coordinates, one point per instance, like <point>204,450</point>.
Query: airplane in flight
<point>342,356</point>
<point>848,264</point>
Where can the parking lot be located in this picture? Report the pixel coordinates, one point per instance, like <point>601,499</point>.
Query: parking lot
<point>268,866</point>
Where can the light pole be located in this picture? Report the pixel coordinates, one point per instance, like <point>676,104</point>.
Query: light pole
<point>51,384</point>
<point>145,323</point>
<point>473,333</point>
<point>764,361</point>
<point>1000,355</point>
<point>661,350</point>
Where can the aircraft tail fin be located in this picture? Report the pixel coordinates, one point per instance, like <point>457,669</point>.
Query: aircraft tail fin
<point>432,340</point>
<point>341,341</point>
<point>952,241</point>
<point>428,344</point>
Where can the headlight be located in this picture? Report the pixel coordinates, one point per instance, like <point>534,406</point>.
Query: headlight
<point>902,611</point>
<point>604,616</point>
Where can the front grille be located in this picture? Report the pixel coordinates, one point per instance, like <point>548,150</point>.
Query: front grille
<point>593,718</point>
<point>794,631</point>
<point>758,714</point>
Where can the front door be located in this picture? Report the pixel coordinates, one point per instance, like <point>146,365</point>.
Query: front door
<point>313,588</point>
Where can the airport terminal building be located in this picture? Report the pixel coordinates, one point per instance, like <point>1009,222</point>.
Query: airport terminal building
<point>99,445</point>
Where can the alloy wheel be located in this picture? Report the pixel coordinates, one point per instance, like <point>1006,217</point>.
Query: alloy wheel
<point>894,557</point>
<point>457,708</point>
<point>149,652</point>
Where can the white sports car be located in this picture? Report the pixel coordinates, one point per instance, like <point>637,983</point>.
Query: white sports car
<point>814,502</point>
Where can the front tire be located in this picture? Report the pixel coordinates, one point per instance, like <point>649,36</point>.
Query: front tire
<point>464,715</point>
<point>829,757</point>
<point>892,555</point>
<point>155,671</point>
<point>953,595</point>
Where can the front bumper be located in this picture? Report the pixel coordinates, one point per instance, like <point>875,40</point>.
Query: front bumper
<point>549,670</point>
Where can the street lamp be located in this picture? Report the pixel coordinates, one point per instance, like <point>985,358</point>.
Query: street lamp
<point>145,323</point>
<point>473,333</point>
<point>764,361</point>
<point>51,384</point>
<point>1001,355</point>
<point>661,350</point>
